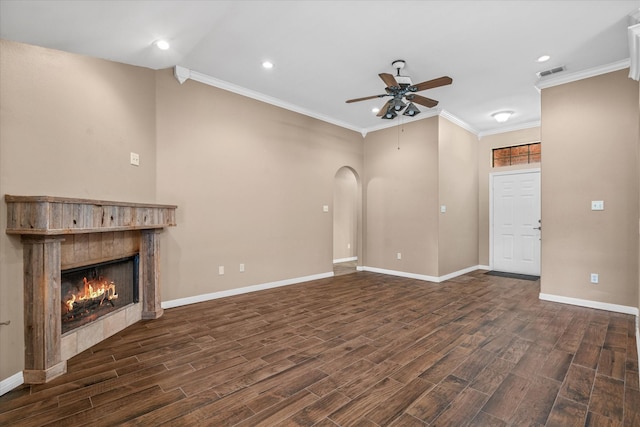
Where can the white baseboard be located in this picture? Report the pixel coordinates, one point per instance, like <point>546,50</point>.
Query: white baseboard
<point>638,340</point>
<point>353,258</point>
<point>230,292</point>
<point>590,304</point>
<point>10,383</point>
<point>421,276</point>
<point>484,267</point>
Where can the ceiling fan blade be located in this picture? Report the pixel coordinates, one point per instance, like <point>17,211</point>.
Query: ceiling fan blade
<point>430,84</point>
<point>389,80</point>
<point>427,102</point>
<point>365,98</point>
<point>384,109</point>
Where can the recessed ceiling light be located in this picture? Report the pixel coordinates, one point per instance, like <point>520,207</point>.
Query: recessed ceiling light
<point>162,44</point>
<point>267,64</point>
<point>502,116</point>
<point>543,58</point>
<point>375,110</point>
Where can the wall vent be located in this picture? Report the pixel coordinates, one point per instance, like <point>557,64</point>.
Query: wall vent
<point>555,70</point>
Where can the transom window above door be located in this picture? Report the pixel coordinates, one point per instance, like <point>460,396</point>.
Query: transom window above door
<point>516,155</point>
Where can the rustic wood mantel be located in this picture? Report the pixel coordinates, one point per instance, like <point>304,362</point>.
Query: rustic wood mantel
<point>44,222</point>
<point>45,215</point>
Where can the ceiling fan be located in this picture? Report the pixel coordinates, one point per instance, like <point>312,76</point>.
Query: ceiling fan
<point>400,87</point>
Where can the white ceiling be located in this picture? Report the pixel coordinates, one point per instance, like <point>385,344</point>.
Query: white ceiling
<point>326,52</point>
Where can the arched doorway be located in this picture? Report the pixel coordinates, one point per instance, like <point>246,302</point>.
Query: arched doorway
<point>345,221</point>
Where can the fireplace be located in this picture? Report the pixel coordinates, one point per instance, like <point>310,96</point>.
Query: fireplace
<point>90,292</point>
<point>78,246</point>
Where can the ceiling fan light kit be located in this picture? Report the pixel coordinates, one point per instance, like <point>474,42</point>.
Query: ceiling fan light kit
<point>411,110</point>
<point>399,87</point>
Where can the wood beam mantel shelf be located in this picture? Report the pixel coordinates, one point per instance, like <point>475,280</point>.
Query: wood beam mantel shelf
<point>59,232</point>
<point>45,215</point>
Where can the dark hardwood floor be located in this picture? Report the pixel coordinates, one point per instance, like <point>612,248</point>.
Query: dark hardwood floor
<point>361,349</point>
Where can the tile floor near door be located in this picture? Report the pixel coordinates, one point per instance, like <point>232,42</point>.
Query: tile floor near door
<point>360,349</point>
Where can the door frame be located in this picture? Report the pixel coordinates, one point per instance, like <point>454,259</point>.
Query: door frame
<point>491,178</point>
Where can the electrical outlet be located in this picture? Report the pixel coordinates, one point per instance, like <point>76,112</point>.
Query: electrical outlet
<point>399,255</point>
<point>241,268</point>
<point>135,159</point>
<point>594,278</point>
<point>221,270</point>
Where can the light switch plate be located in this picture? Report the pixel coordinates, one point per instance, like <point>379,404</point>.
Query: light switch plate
<point>135,159</point>
<point>597,205</point>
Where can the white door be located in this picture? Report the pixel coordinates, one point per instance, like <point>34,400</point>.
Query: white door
<point>516,222</point>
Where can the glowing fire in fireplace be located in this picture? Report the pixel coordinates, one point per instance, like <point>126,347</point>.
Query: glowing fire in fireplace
<point>95,290</point>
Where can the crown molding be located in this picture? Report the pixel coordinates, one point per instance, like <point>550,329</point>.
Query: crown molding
<point>402,120</point>
<point>584,74</point>
<point>457,121</point>
<point>513,128</point>
<point>634,49</point>
<point>182,74</point>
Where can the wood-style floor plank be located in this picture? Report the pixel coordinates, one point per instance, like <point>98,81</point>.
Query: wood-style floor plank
<point>358,349</point>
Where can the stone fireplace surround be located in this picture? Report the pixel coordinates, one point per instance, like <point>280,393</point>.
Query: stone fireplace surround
<point>59,233</point>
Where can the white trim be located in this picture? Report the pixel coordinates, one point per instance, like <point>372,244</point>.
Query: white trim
<point>386,124</point>
<point>634,51</point>
<point>590,304</point>
<point>353,258</point>
<point>400,274</point>
<point>402,120</point>
<point>458,273</point>
<point>484,267</point>
<point>516,171</point>
<point>584,74</point>
<point>237,291</point>
<point>459,122</point>
<point>182,74</point>
<point>420,276</point>
<point>10,383</point>
<point>638,338</point>
<point>513,128</point>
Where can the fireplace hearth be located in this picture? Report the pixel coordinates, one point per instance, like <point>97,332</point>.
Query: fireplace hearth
<point>88,246</point>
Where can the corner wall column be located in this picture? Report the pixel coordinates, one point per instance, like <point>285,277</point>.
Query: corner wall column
<point>43,329</point>
<point>150,273</point>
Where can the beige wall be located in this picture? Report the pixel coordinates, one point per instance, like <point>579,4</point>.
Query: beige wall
<point>485,148</point>
<point>250,181</point>
<point>590,152</point>
<point>458,192</point>
<point>67,126</point>
<point>345,214</point>
<point>436,164</point>
<point>401,198</point>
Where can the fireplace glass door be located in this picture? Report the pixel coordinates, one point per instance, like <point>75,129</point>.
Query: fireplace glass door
<point>93,291</point>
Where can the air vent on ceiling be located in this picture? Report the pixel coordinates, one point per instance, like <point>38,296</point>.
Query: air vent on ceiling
<point>546,73</point>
